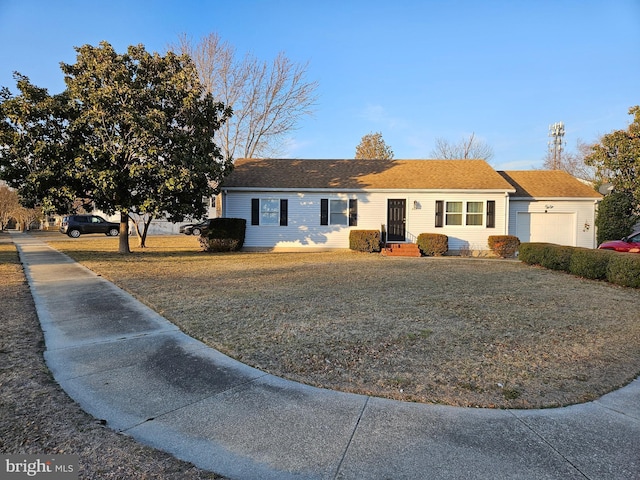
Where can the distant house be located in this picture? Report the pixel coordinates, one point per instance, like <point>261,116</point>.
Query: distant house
<point>292,204</point>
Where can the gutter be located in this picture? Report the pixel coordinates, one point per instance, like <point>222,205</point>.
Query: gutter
<point>365,190</point>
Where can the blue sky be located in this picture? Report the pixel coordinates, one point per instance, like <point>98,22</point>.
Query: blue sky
<point>412,70</point>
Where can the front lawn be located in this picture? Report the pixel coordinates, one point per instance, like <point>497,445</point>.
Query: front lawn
<point>457,331</point>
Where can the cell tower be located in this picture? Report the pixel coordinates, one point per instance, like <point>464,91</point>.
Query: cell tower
<point>556,144</point>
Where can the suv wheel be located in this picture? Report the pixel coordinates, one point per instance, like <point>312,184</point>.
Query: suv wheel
<point>196,231</point>
<point>74,233</point>
<point>113,232</point>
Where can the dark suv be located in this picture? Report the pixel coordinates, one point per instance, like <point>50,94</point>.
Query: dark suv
<point>76,225</point>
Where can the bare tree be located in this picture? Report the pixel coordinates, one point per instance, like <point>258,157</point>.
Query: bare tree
<point>268,99</point>
<point>573,162</point>
<point>26,216</point>
<point>467,148</point>
<point>9,203</point>
<point>372,146</point>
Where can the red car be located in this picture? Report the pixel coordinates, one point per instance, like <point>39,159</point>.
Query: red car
<point>627,244</point>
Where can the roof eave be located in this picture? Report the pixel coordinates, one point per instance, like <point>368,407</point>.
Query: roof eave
<point>369,190</point>
<point>549,199</point>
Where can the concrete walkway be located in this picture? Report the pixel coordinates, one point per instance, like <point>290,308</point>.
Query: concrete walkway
<point>124,363</point>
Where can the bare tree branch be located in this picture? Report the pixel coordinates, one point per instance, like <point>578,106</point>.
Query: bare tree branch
<point>268,99</point>
<point>573,162</point>
<point>467,148</point>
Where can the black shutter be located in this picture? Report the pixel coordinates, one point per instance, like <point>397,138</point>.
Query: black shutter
<point>439,213</point>
<point>491,214</point>
<point>324,211</point>
<point>353,212</point>
<point>255,211</point>
<point>284,211</point>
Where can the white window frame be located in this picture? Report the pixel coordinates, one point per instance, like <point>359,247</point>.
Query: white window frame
<point>339,213</point>
<point>476,215</point>
<point>464,214</point>
<point>448,214</point>
<point>269,217</point>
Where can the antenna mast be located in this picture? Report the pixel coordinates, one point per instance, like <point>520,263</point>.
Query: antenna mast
<point>556,132</point>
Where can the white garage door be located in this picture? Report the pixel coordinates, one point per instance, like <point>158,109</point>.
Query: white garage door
<point>558,228</point>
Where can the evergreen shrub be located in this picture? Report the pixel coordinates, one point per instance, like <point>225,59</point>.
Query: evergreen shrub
<point>589,263</point>
<point>532,253</point>
<point>504,245</point>
<point>615,267</point>
<point>557,257</point>
<point>433,244</point>
<point>624,269</point>
<point>364,240</point>
<point>224,235</point>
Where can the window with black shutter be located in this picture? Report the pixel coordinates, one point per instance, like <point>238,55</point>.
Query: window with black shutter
<point>338,211</point>
<point>269,211</point>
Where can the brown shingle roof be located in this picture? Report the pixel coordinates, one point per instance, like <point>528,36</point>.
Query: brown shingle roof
<point>547,183</point>
<point>366,174</point>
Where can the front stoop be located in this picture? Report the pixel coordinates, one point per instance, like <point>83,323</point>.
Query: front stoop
<point>401,250</point>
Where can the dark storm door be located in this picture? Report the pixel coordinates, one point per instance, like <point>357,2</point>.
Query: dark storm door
<point>396,219</point>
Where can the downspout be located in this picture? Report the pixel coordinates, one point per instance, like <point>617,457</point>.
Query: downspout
<point>223,201</point>
<point>594,241</point>
<point>507,213</point>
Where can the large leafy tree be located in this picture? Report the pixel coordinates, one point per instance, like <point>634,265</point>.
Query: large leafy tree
<point>616,216</point>
<point>617,157</point>
<point>36,150</point>
<point>617,161</point>
<point>137,136</point>
<point>373,147</point>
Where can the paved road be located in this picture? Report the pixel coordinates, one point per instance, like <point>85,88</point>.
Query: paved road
<point>126,364</point>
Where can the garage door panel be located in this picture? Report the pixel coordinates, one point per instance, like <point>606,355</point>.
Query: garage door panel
<point>558,228</point>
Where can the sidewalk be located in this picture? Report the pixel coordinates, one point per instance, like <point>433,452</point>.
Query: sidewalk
<point>124,363</point>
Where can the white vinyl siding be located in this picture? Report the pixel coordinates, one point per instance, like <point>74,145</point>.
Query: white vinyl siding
<point>305,232</point>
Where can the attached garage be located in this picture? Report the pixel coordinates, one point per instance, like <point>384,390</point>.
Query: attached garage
<point>558,228</point>
<point>551,206</point>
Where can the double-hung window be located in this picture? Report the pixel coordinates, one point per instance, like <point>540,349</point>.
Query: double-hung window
<point>338,211</point>
<point>465,213</point>
<point>453,214</point>
<point>269,211</point>
<point>475,213</point>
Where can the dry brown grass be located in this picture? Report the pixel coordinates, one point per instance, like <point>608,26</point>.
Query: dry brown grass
<point>37,417</point>
<point>458,331</point>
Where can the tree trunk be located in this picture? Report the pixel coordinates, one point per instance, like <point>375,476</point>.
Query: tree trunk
<point>141,224</point>
<point>123,246</point>
<point>143,237</point>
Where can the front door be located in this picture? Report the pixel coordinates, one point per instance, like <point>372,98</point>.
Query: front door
<point>396,220</point>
